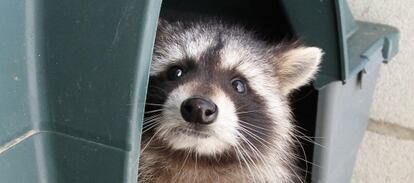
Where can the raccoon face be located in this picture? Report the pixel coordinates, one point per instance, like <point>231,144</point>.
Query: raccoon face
<point>216,89</point>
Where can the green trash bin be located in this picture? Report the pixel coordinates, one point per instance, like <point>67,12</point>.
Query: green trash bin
<point>73,78</point>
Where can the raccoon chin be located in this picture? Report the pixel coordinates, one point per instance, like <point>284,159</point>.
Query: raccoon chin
<point>199,142</point>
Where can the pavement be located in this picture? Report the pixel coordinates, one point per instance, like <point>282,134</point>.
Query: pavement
<point>386,154</point>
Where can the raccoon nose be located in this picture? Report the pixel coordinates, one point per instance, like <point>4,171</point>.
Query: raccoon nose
<point>199,110</point>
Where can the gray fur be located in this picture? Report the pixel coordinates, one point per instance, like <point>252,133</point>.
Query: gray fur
<point>272,71</point>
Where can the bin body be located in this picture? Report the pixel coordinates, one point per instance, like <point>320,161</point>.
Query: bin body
<point>73,77</point>
<point>342,118</point>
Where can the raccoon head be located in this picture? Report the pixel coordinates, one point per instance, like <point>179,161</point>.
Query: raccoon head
<point>216,88</point>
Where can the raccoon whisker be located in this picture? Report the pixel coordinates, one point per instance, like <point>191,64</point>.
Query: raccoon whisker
<point>295,156</point>
<point>255,138</point>
<point>307,138</point>
<point>149,121</point>
<point>195,166</point>
<point>246,112</point>
<point>290,165</point>
<point>159,147</point>
<point>286,162</point>
<point>240,163</point>
<point>310,137</point>
<point>143,102</point>
<point>299,158</point>
<point>251,160</point>
<point>252,111</point>
<point>154,104</point>
<point>259,139</point>
<point>149,141</point>
<point>151,117</point>
<point>255,126</point>
<point>181,169</point>
<point>249,128</point>
<point>153,111</point>
<point>245,162</point>
<point>149,127</point>
<point>256,151</point>
<point>246,129</point>
<point>304,155</point>
<point>311,141</point>
<point>254,165</point>
<point>169,118</point>
<point>250,145</point>
<point>299,128</point>
<point>242,106</point>
<point>313,137</point>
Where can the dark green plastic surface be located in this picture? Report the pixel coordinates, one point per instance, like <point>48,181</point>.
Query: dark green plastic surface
<point>347,44</point>
<point>73,78</point>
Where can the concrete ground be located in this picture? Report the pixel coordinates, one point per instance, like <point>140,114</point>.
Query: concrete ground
<point>386,155</point>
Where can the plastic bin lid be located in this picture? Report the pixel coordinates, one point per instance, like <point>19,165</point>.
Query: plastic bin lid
<point>348,44</point>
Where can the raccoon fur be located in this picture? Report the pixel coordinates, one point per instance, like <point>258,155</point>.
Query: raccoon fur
<point>217,106</point>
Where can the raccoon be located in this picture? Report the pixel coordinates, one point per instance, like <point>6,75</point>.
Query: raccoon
<point>217,106</point>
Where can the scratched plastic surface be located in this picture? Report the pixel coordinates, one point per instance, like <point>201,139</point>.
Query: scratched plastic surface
<point>73,78</point>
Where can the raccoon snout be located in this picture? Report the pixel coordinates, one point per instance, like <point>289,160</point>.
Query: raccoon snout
<point>199,110</point>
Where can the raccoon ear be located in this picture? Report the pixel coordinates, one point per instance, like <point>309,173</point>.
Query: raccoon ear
<point>297,66</point>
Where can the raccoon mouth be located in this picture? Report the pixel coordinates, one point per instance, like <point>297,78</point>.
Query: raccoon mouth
<point>192,132</point>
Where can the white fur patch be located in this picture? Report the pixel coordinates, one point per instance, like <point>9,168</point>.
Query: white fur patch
<point>232,55</point>
<point>191,45</point>
<point>166,56</point>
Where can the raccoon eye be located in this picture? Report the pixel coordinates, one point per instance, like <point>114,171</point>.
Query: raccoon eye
<point>238,85</point>
<point>174,73</point>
